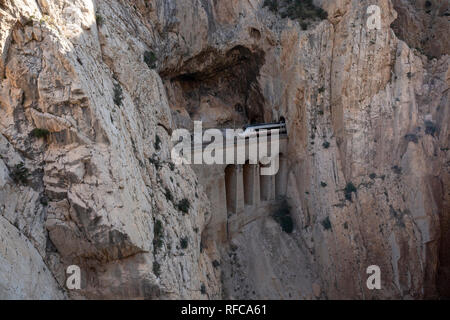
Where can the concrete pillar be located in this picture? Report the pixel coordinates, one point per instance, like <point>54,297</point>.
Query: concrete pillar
<point>251,184</point>
<point>267,187</point>
<point>235,188</point>
<point>281,178</point>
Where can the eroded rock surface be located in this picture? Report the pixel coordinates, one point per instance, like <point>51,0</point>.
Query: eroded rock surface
<point>367,113</point>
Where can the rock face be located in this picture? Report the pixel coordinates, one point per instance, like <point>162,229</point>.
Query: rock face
<point>106,83</point>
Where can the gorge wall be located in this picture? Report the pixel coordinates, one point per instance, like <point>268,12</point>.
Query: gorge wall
<point>107,82</point>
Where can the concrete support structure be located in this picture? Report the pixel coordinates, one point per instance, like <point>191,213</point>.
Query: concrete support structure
<point>251,184</point>
<point>267,187</point>
<point>234,188</point>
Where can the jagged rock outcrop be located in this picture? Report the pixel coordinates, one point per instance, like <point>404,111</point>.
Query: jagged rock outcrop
<point>108,81</point>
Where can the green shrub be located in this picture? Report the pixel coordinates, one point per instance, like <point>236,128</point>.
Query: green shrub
<point>323,184</point>
<point>430,128</point>
<point>157,143</point>
<point>326,144</point>
<point>150,59</point>
<point>296,10</point>
<point>412,137</point>
<point>397,169</point>
<point>326,223</point>
<point>118,94</point>
<point>216,264</point>
<point>203,289</point>
<point>184,205</point>
<point>99,19</point>
<point>154,161</point>
<point>184,243</point>
<point>372,176</point>
<point>20,173</point>
<point>39,133</point>
<point>282,215</point>
<point>349,189</point>
<point>168,194</point>
<point>158,235</point>
<point>156,268</point>
<point>171,166</point>
<point>321,89</point>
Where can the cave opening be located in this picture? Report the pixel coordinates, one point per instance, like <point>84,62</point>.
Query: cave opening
<point>219,89</point>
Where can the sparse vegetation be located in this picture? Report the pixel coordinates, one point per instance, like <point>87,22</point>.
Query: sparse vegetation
<point>99,19</point>
<point>184,205</point>
<point>323,184</point>
<point>118,94</point>
<point>349,189</point>
<point>20,173</point>
<point>321,89</point>
<point>430,128</point>
<point>150,59</point>
<point>302,10</point>
<point>203,289</point>
<point>397,169</point>
<point>282,215</point>
<point>157,143</point>
<point>171,166</point>
<point>326,223</point>
<point>409,75</point>
<point>156,268</point>
<point>326,144</point>
<point>412,137</point>
<point>168,194</point>
<point>372,176</point>
<point>155,161</point>
<point>39,133</point>
<point>216,264</point>
<point>158,235</point>
<point>184,243</point>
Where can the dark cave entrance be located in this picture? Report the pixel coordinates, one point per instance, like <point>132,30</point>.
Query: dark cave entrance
<point>220,89</point>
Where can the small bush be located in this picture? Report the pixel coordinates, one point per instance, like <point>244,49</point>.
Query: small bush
<point>157,143</point>
<point>412,137</point>
<point>184,205</point>
<point>372,176</point>
<point>326,144</point>
<point>349,189</point>
<point>150,59</point>
<point>323,184</point>
<point>171,166</point>
<point>216,264</point>
<point>397,169</point>
<point>39,133</point>
<point>168,194</point>
<point>20,173</point>
<point>326,223</point>
<point>184,243</point>
<point>203,289</point>
<point>154,161</point>
<point>44,201</point>
<point>283,216</point>
<point>321,89</point>
<point>156,268</point>
<point>409,75</point>
<point>430,128</point>
<point>99,19</point>
<point>158,235</point>
<point>118,94</point>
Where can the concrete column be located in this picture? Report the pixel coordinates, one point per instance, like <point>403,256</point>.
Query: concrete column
<point>251,184</point>
<point>267,187</point>
<point>281,178</point>
<point>235,188</point>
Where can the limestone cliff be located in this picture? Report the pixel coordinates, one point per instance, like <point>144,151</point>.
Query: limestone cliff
<point>90,92</point>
